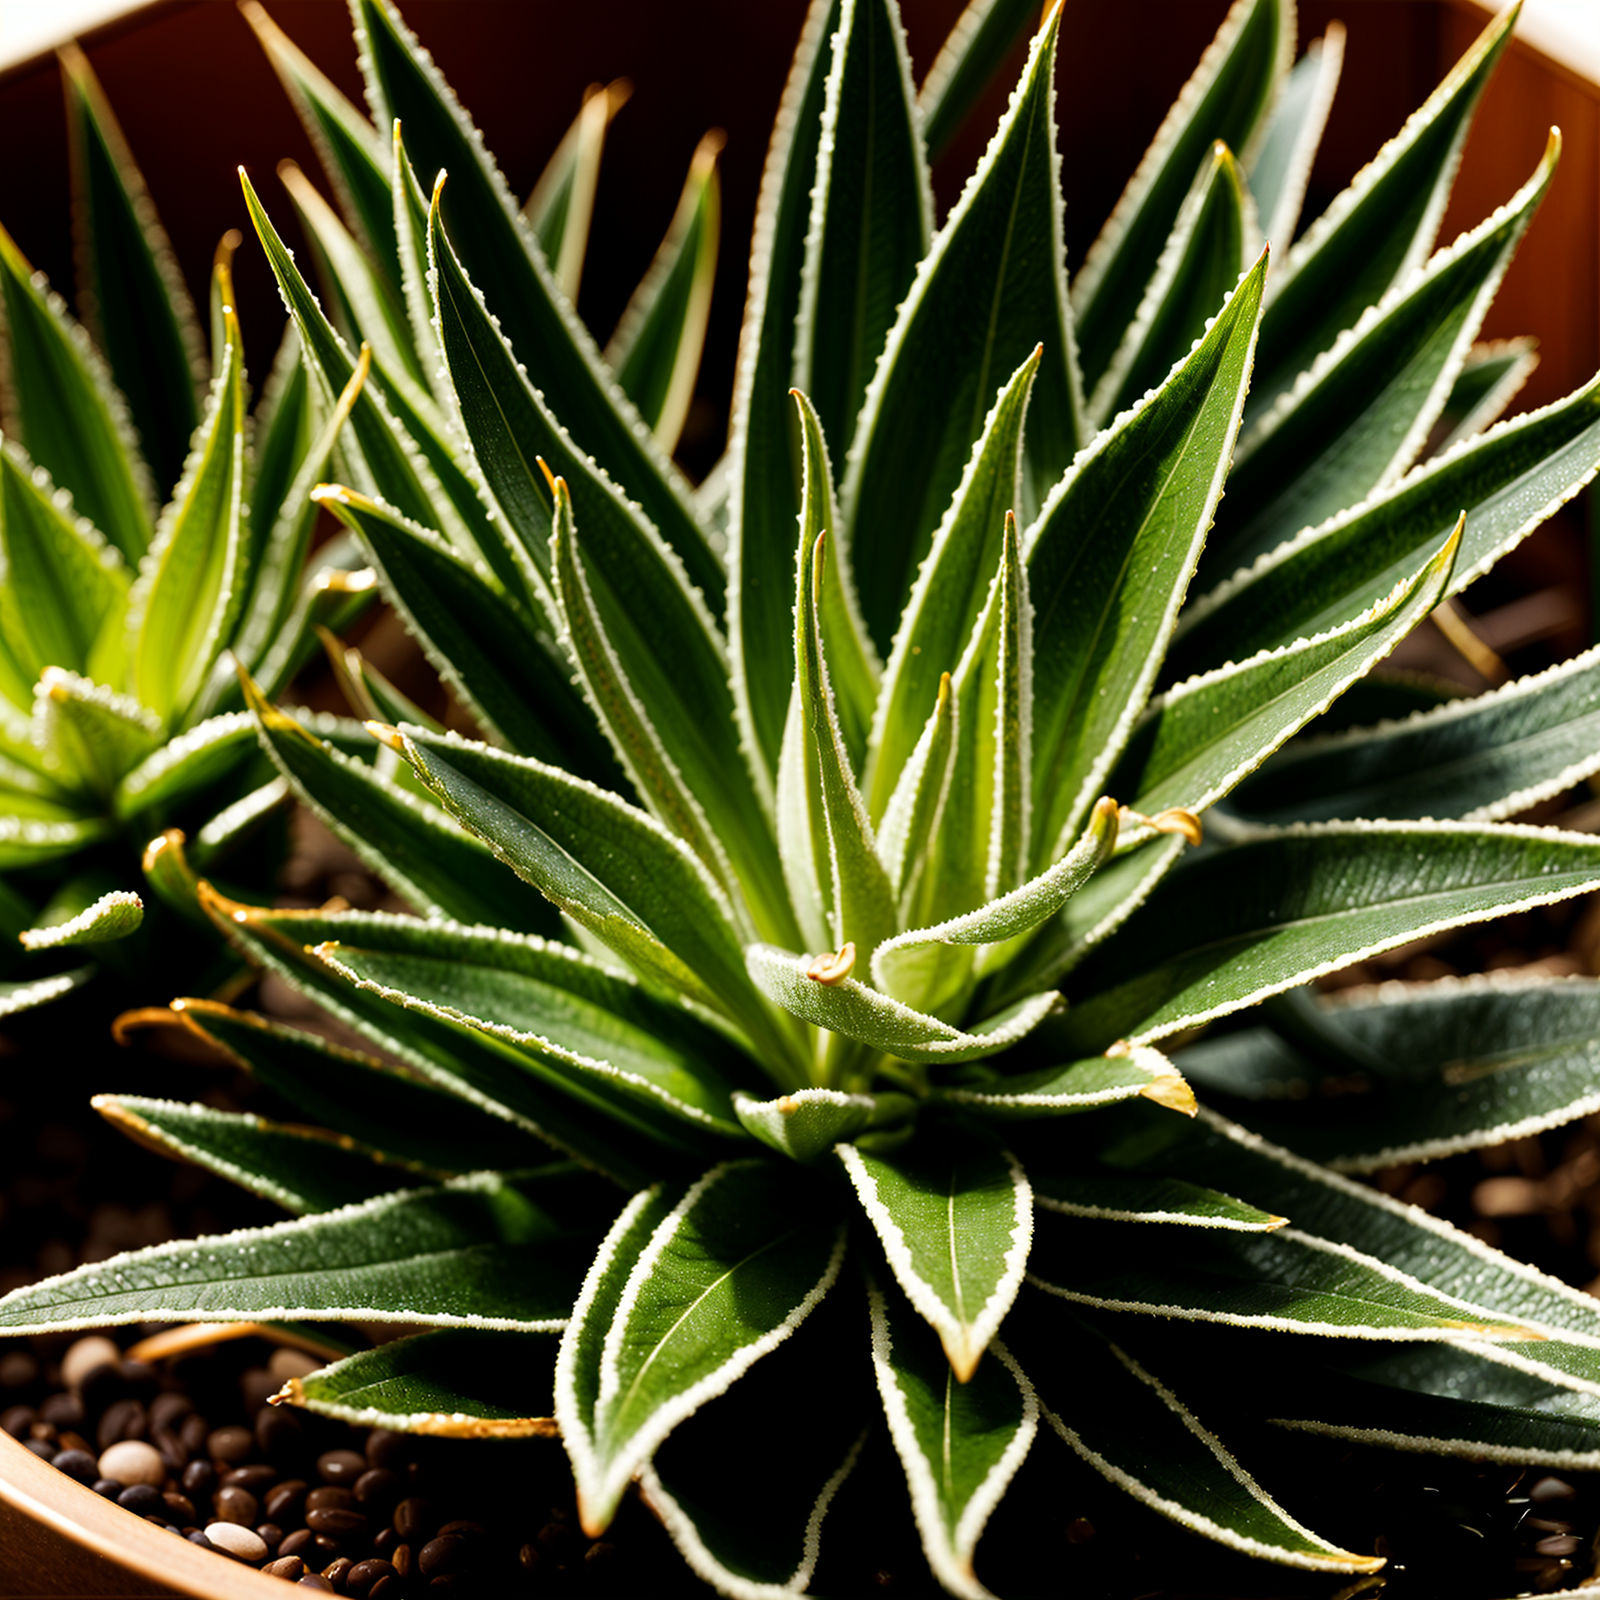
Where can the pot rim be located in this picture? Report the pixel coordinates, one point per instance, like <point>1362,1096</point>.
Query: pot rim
<point>114,1540</point>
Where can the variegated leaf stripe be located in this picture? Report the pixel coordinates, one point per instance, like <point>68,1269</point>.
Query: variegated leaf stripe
<point>1111,1198</point>
<point>847,1006</point>
<point>1281,167</point>
<point>992,284</point>
<point>955,1225</point>
<point>1281,922</point>
<point>1228,97</point>
<point>1479,760</point>
<point>1444,1067</point>
<point>1452,1263</point>
<point>1128,1425</point>
<point>1122,531</point>
<point>1076,1086</point>
<point>1380,228</point>
<point>301,1169</point>
<point>1201,737</point>
<point>706,1297</point>
<point>1287,1280</point>
<point>478,1252</point>
<point>763,486</point>
<point>960,1444</point>
<point>451,1384</point>
<point>1355,420</point>
<point>950,589</point>
<point>1010,915</point>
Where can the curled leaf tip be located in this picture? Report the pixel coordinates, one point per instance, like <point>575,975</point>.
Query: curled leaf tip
<point>334,492</point>
<point>438,177</point>
<point>1175,819</point>
<point>173,839</point>
<point>549,476</point>
<point>834,967</point>
<point>387,733</point>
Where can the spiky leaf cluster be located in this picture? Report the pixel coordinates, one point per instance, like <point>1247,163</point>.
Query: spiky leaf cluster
<point>151,531</point>
<point>850,838</point>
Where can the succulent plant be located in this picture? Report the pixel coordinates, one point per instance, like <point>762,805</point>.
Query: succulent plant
<point>120,716</point>
<point>792,1013</point>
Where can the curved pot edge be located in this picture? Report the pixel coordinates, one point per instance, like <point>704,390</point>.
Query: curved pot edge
<point>57,1527</point>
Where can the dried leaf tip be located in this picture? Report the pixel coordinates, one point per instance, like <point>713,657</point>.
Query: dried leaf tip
<point>386,733</point>
<point>549,476</point>
<point>1175,819</point>
<point>833,967</point>
<point>1173,1092</point>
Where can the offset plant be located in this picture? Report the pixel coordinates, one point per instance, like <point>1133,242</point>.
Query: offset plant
<point>148,527</point>
<point>826,962</point>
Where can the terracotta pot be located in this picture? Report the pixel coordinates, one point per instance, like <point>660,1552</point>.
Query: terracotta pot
<point>58,1537</point>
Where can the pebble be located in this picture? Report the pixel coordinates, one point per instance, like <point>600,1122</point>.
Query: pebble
<point>236,1505</point>
<point>340,1467</point>
<point>232,1444</point>
<point>133,1461</point>
<point>81,1465</point>
<point>285,1364</point>
<point>245,1543</point>
<point>84,1355</point>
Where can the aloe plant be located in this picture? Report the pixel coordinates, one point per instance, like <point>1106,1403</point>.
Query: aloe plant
<point>149,527</point>
<point>804,950</point>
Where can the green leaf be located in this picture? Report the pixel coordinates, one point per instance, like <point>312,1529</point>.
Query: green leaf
<point>911,820</point>
<point>1127,1424</point>
<point>805,989</point>
<point>481,1252</point>
<point>592,1031</point>
<point>113,915</point>
<point>1366,407</point>
<point>182,606</point>
<point>503,256</point>
<point>871,216</point>
<point>451,1384</point>
<point>992,285</point>
<point>808,1123</point>
<point>1111,556</point>
<point>300,1169</point>
<point>913,964</point>
<point>1227,98</point>
<point>1430,1071</point>
<point>613,871</point>
<point>1208,248</point>
<point>1288,1280</point>
<point>1347,1214</point>
<point>138,306</point>
<point>94,734</point>
<point>655,350</point>
<point>1116,1199</point>
<point>959,1443</point>
<point>1281,166</point>
<point>1373,235</point>
<point>1199,739</point>
<point>825,839</point>
<point>1480,760</point>
<point>951,588</point>
<point>64,411</point>
<point>758,1531</point>
<point>19,995</point>
<point>764,462</point>
<point>1303,902</point>
<point>486,647</point>
<point>353,154</point>
<point>562,201</point>
<point>983,36</point>
<point>410,844</point>
<point>727,1275</point>
<point>1489,380</point>
<point>358,1096</point>
<point>1506,482</point>
<point>489,1073</point>
<point>63,589</point>
<point>1073,1086</point>
<point>186,765</point>
<point>955,1219</point>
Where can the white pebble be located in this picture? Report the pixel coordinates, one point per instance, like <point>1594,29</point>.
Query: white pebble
<point>133,1461</point>
<point>84,1355</point>
<point>285,1363</point>
<point>237,1540</point>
